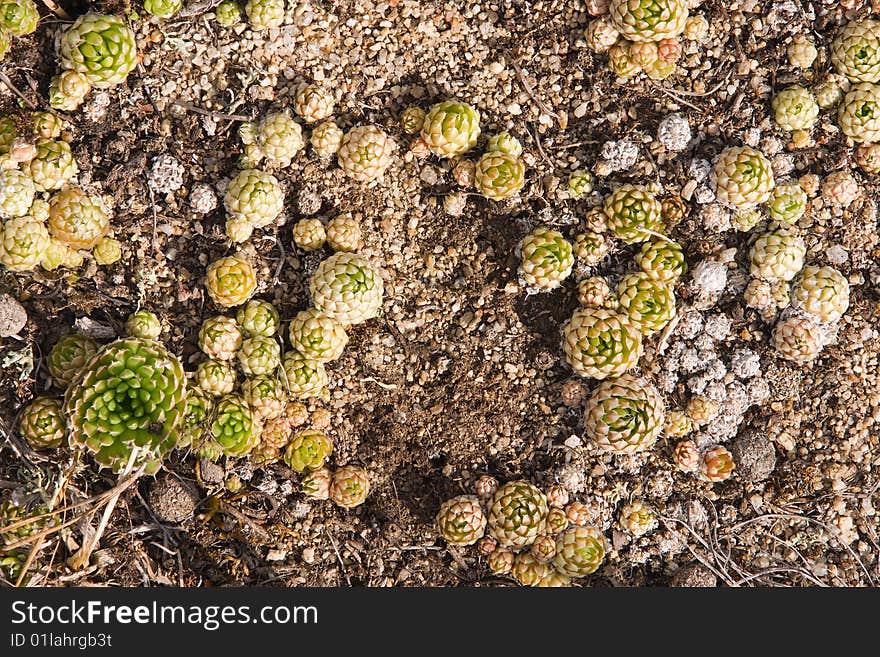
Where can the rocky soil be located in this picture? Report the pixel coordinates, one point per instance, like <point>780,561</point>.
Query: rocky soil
<point>462,374</point>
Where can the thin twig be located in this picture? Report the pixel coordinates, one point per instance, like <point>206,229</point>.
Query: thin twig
<point>384,386</point>
<point>792,516</point>
<point>719,573</point>
<point>528,88</point>
<point>5,80</point>
<point>338,556</point>
<point>55,9</point>
<point>697,94</point>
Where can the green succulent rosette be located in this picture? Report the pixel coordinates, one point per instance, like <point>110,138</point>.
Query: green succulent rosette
<point>259,355</point>
<point>220,337</point>
<point>662,260</point>
<point>624,415</point>
<point>350,486</point>
<point>258,317</point>
<point>855,51</point>
<point>579,551</point>
<point>143,324</point>
<point>42,423</point>
<point>451,128</point>
<point>631,213</point>
<point>23,243</point>
<point>162,8</point>
<point>126,405</point>
<point>649,303</point>
<point>235,428</point>
<point>787,203</point>
<point>69,355</point>
<point>648,20</point>
<point>308,451</point>
<point>19,17</point>
<point>599,343</point>
<point>347,288</point>
<point>304,377</point>
<point>517,514</point>
<point>499,175</point>
<point>101,47</point>
<point>546,259</point>
<point>196,416</point>
<point>461,520</point>
<point>742,177</point>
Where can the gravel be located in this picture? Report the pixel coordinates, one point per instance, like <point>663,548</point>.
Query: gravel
<point>13,316</point>
<point>754,456</point>
<point>172,500</point>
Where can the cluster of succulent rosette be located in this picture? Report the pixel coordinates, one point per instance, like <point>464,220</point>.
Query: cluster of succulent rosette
<point>128,403</point>
<point>97,51</point>
<point>18,18</point>
<point>255,198</point>
<point>47,220</point>
<point>819,295</point>
<point>123,402</point>
<point>537,538</point>
<point>262,416</point>
<point>854,90</point>
<point>643,36</point>
<point>449,130</point>
<point>603,339</point>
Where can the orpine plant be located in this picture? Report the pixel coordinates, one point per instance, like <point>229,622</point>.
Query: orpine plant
<point>259,355</point>
<point>365,153</point>
<point>350,486</point>
<point>23,243</point>
<point>69,355</point>
<point>461,520</point>
<point>579,551</point>
<point>77,218</point>
<point>546,259</point>
<point>822,292</point>
<point>624,415</point>
<point>662,260</point>
<point>648,20</point>
<point>347,288</point>
<point>143,324</point>
<point>303,376</point>
<point>42,423</point>
<point>126,404</point>
<point>795,108</point>
<point>235,428</point>
<point>231,280</point>
<point>859,113</point>
<point>317,335</point>
<point>254,196</point>
<point>499,175</point>
<point>742,177</point>
<point>632,214</point>
<point>855,51</point>
<point>18,17</point>
<point>451,128</point>
<point>258,318</point>
<point>599,343</point>
<point>308,450</point>
<point>777,255</point>
<point>648,302</point>
<point>100,47</point>
<point>220,337</point>
<point>17,193</point>
<point>517,514</point>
